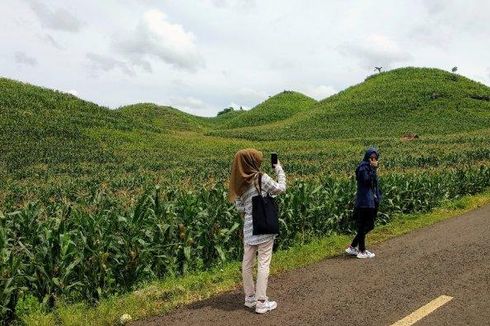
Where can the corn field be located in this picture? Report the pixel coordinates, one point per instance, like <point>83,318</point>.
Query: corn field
<point>61,251</point>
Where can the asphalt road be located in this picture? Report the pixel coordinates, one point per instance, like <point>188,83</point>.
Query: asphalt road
<point>450,258</point>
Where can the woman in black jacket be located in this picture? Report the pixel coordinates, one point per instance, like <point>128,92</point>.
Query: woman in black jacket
<point>368,197</point>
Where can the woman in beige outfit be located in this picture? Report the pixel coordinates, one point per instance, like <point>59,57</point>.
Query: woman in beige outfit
<point>243,186</point>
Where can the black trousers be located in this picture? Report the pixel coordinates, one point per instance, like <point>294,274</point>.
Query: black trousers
<point>365,222</point>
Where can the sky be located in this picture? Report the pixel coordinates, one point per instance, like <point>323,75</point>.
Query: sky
<point>204,56</point>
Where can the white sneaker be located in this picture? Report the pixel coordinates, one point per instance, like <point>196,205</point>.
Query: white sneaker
<point>263,307</point>
<point>365,254</point>
<point>352,251</point>
<point>250,301</point>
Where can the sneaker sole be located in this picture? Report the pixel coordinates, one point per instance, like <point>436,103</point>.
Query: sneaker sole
<point>264,310</point>
<point>364,257</point>
<point>250,305</point>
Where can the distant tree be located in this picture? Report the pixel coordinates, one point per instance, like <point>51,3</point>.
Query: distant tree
<point>230,109</point>
<point>454,77</point>
<point>378,69</point>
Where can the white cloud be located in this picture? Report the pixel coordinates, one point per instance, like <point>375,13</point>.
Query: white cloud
<point>156,37</point>
<point>459,15</point>
<point>24,59</point>
<point>431,35</point>
<point>191,104</point>
<point>236,4</point>
<point>98,62</point>
<point>320,92</point>
<point>249,97</point>
<point>59,19</point>
<point>49,39</point>
<point>376,50</point>
<point>434,6</point>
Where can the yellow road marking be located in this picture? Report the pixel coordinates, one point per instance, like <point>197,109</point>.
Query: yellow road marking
<point>423,311</point>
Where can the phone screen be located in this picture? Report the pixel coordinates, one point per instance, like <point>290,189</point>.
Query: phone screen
<point>273,159</point>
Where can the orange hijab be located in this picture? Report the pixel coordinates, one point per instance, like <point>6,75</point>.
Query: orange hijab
<point>246,165</point>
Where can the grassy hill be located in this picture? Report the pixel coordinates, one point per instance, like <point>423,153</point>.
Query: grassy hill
<point>420,100</point>
<point>224,118</point>
<point>276,108</point>
<point>165,118</point>
<point>42,126</point>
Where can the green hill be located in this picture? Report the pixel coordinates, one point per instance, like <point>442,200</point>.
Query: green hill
<point>163,117</point>
<point>224,118</point>
<point>419,100</point>
<point>42,126</point>
<point>276,108</point>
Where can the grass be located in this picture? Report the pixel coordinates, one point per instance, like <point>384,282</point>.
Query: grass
<point>161,297</point>
<point>276,108</point>
<point>163,117</point>
<point>391,104</point>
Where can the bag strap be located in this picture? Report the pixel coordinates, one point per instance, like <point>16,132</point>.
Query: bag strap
<point>260,184</point>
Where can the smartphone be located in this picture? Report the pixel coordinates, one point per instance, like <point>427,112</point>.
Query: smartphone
<point>273,159</point>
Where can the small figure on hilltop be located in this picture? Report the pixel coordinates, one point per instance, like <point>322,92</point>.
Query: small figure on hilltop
<point>378,69</point>
<point>368,197</point>
<point>454,69</point>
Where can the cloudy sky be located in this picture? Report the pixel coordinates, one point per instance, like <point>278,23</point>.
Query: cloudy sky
<point>203,56</point>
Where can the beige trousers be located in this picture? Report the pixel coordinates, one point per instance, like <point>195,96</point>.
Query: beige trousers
<point>264,257</point>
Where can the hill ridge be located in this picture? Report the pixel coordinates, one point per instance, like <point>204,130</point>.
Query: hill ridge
<point>419,100</point>
<point>410,99</point>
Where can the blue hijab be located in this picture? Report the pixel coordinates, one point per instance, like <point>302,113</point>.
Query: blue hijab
<point>368,193</point>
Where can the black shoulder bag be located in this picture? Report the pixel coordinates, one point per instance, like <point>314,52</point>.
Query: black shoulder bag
<point>265,214</point>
